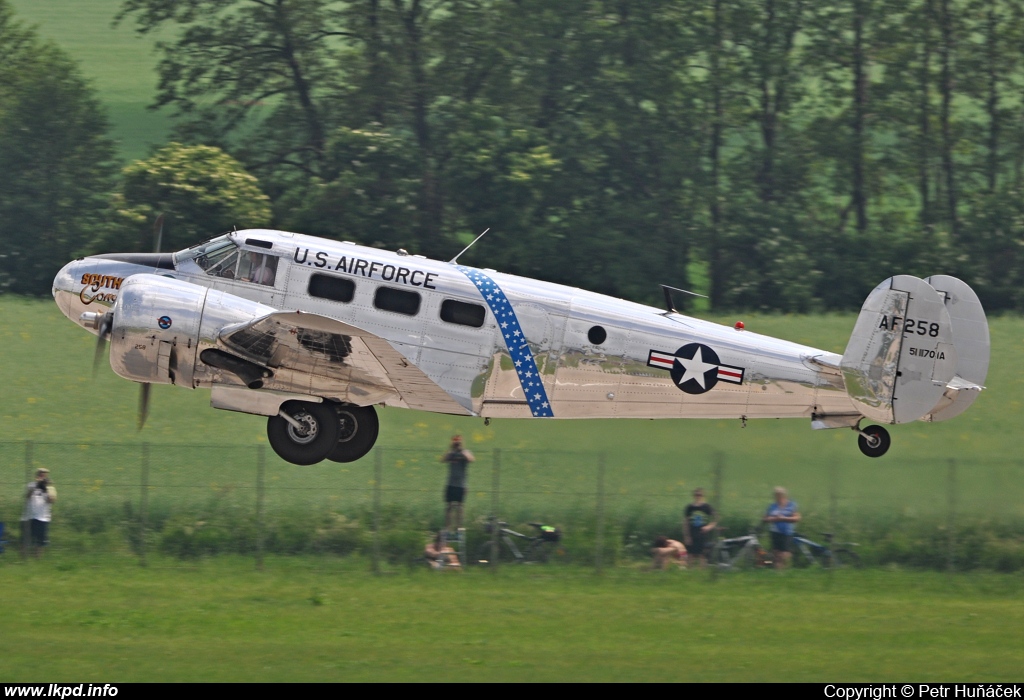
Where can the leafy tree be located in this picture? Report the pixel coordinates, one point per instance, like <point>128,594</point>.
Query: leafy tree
<point>200,190</point>
<point>56,162</point>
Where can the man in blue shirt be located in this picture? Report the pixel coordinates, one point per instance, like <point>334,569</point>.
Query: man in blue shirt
<point>782,516</point>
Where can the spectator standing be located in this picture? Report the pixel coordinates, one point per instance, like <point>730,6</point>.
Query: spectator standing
<point>458,459</point>
<point>699,521</point>
<point>782,516</point>
<point>40,495</point>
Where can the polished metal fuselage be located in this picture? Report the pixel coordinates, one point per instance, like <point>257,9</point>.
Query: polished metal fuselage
<point>581,378</point>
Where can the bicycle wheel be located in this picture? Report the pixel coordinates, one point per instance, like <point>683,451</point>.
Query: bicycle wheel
<point>845,557</point>
<point>483,554</point>
<point>719,558</point>
<point>551,553</point>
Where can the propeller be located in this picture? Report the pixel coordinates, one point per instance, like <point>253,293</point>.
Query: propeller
<point>143,404</point>
<point>104,324</point>
<point>158,237</point>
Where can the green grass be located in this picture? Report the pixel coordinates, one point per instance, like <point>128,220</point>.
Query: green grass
<point>319,620</point>
<point>120,64</point>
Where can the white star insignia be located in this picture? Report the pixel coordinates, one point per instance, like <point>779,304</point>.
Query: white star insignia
<point>695,368</point>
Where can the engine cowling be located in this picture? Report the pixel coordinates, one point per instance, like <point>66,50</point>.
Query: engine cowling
<point>161,325</point>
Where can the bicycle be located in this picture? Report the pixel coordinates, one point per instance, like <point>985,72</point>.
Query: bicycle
<point>739,552</point>
<point>811,552</point>
<point>542,548</point>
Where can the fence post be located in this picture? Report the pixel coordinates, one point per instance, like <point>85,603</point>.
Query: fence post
<point>717,468</point>
<point>495,530</point>
<point>378,471</point>
<point>261,467</point>
<point>599,544</point>
<point>25,531</point>
<point>833,495</point>
<point>950,521</point>
<point>143,503</point>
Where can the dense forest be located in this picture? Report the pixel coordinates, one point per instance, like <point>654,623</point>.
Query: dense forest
<point>776,154</point>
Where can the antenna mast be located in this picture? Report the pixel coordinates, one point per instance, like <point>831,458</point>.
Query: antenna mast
<point>452,261</point>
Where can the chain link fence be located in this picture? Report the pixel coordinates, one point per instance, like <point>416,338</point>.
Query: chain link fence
<point>179,502</point>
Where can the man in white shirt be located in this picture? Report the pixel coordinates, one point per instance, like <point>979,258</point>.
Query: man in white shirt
<point>40,496</point>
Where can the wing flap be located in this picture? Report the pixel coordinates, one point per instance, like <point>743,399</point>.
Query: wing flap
<point>320,356</point>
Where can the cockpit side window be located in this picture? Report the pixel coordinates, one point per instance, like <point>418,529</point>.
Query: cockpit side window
<point>258,268</point>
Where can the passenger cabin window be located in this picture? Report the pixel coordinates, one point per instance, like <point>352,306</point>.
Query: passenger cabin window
<point>462,313</point>
<point>333,288</point>
<point>398,300</point>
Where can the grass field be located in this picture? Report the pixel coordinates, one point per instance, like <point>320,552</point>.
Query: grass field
<point>120,64</point>
<point>317,620</point>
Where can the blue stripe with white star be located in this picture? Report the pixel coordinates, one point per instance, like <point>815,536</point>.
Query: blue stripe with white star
<point>515,341</point>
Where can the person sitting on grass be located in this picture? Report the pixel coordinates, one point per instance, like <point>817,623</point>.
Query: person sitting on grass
<point>666,550</point>
<point>439,555</point>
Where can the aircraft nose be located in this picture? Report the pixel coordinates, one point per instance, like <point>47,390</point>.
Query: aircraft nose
<point>63,287</point>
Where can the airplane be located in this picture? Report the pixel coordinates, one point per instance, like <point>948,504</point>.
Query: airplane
<point>313,334</point>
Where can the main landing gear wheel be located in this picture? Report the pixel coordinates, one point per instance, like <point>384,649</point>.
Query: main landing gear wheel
<point>307,435</point>
<point>874,441</point>
<point>357,431</point>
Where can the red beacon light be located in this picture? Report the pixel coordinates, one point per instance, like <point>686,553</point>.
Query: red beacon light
<point>739,326</point>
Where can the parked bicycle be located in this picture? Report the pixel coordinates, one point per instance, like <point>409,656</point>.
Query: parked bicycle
<point>808,552</point>
<point>739,553</point>
<point>545,546</point>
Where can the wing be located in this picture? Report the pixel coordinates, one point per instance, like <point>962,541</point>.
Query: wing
<point>319,356</point>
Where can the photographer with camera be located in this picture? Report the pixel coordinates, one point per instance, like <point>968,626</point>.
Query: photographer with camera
<point>40,496</point>
<point>458,459</point>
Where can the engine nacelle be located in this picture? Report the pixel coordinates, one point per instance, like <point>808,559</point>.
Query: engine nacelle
<point>161,325</point>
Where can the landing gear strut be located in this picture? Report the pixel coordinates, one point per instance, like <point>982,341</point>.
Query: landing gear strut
<point>303,433</point>
<point>874,441</point>
<point>357,431</point>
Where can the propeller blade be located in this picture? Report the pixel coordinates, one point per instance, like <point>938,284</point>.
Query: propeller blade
<point>143,404</point>
<point>105,325</point>
<point>158,233</point>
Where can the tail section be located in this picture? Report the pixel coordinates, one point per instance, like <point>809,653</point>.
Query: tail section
<point>971,341</point>
<point>902,355</point>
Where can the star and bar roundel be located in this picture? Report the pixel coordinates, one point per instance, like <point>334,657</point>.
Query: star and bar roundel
<point>695,368</point>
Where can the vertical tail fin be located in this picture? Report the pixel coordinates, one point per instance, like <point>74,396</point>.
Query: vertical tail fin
<point>901,355</point>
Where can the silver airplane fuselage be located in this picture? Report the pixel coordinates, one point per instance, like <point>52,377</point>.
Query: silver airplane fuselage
<point>498,345</point>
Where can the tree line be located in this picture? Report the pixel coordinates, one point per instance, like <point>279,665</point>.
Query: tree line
<point>777,154</point>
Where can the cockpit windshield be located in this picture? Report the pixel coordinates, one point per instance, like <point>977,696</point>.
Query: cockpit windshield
<point>207,255</point>
<point>220,257</point>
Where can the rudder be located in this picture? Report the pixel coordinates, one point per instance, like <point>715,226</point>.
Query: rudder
<point>901,355</point>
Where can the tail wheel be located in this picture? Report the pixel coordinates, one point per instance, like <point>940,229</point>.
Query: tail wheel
<point>306,435</point>
<point>874,441</point>
<point>357,432</point>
